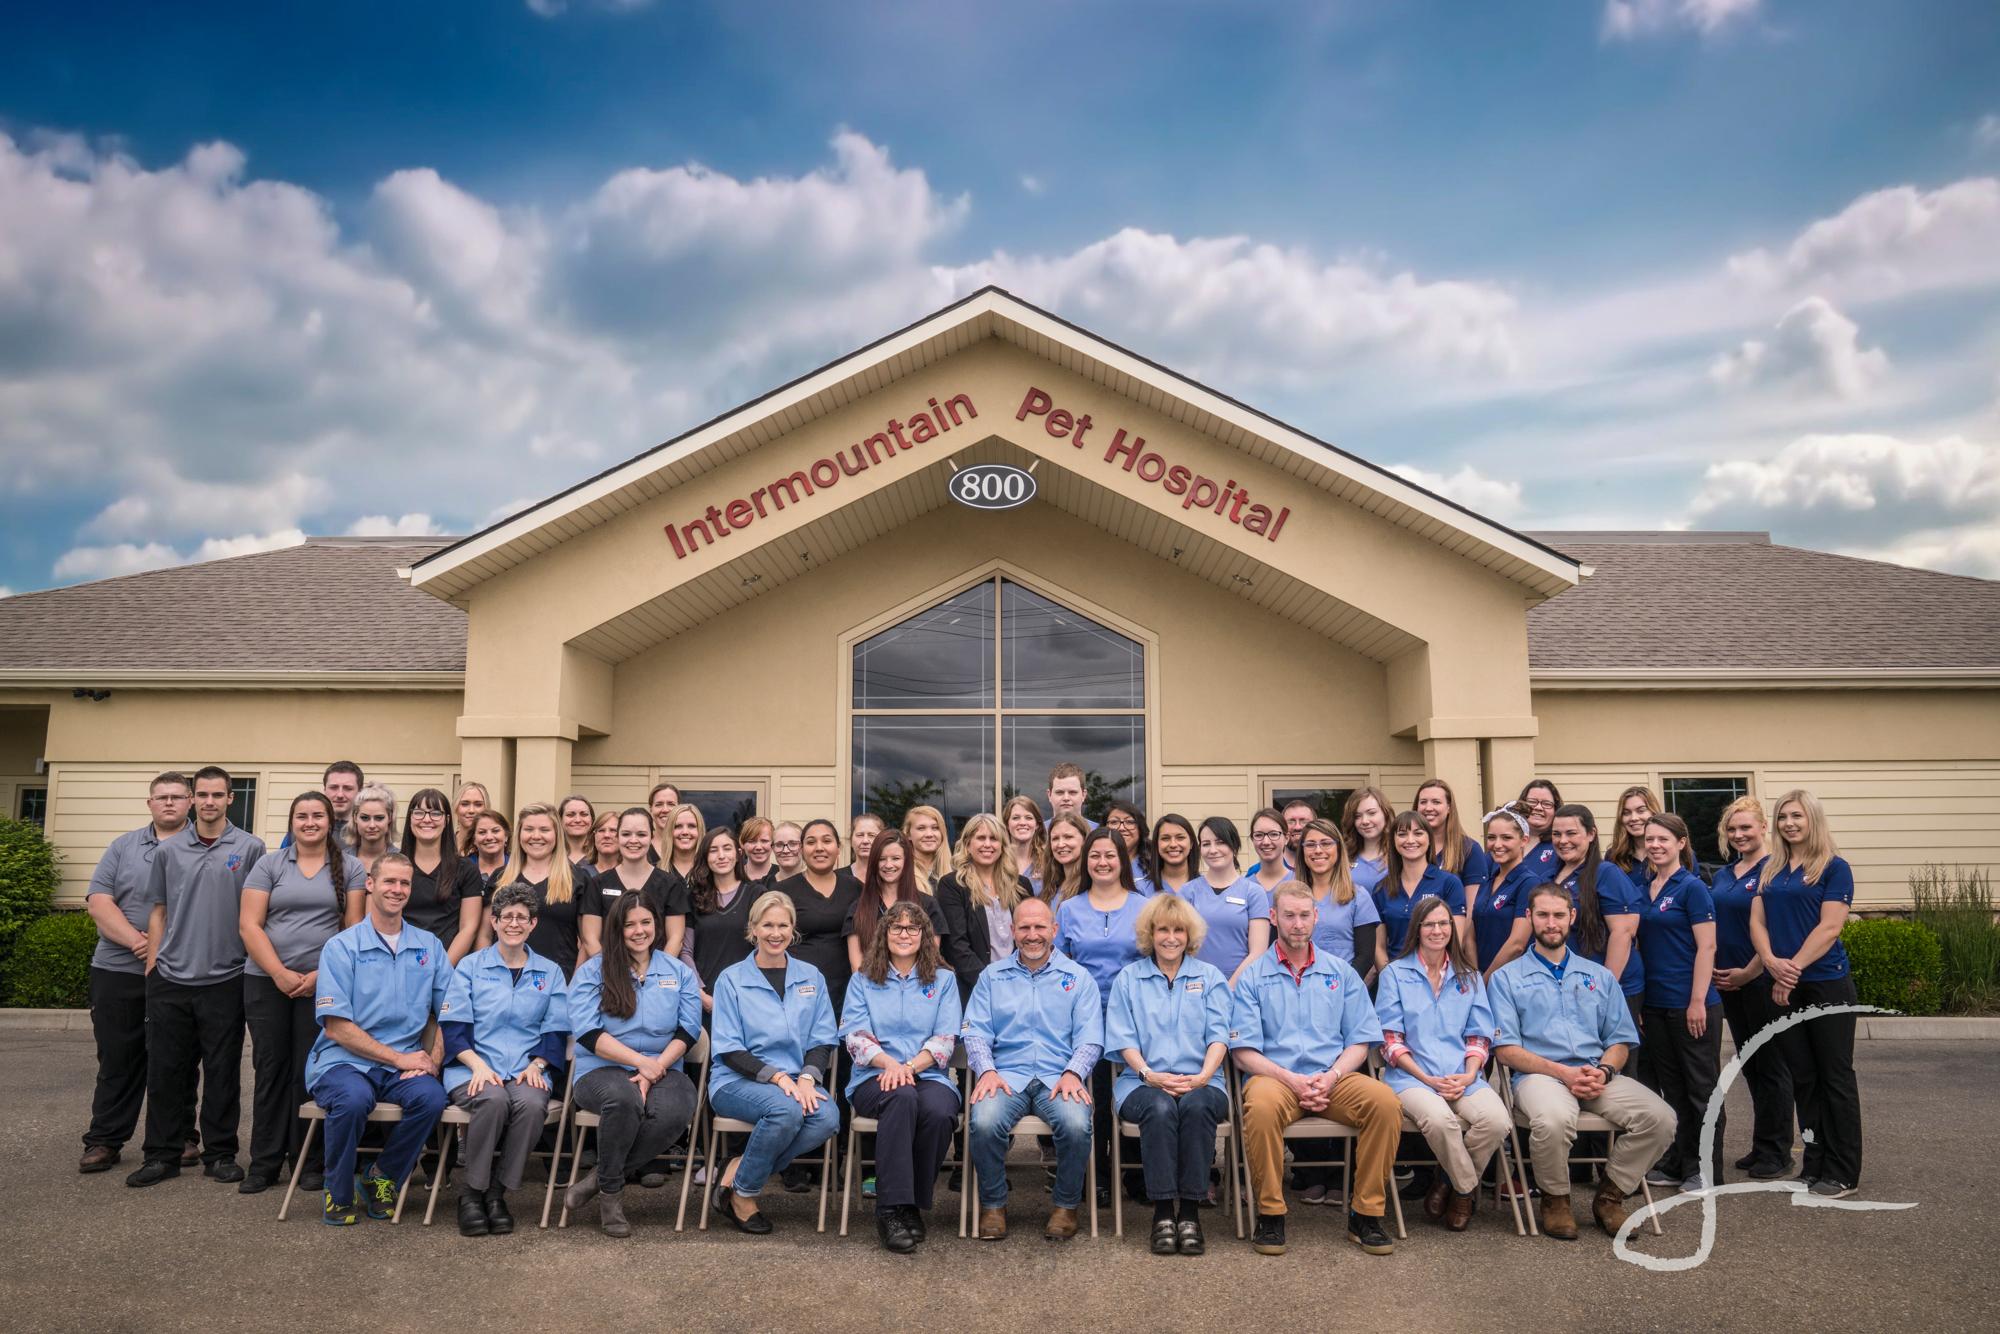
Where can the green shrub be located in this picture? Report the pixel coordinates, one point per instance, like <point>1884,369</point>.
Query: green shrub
<point>28,879</point>
<point>50,967</point>
<point>1897,965</point>
<point>1957,904</point>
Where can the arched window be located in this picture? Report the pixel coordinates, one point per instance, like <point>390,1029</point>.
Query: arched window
<point>975,699</point>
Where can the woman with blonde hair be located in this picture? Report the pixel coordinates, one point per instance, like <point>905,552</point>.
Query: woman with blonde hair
<point>1452,849</point>
<point>1744,835</point>
<point>466,804</point>
<point>569,911</point>
<point>370,830</point>
<point>1795,922</point>
<point>579,817</point>
<point>604,841</point>
<point>1166,1028</point>
<point>683,831</point>
<point>1635,806</point>
<point>977,900</point>
<point>1027,838</point>
<point>923,830</point>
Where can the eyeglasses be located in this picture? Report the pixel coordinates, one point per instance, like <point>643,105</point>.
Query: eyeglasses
<point>515,919</point>
<point>1534,804</point>
<point>1127,825</point>
<point>903,928</point>
<point>789,845</point>
<point>1266,835</point>
<point>1318,845</point>
<point>424,813</point>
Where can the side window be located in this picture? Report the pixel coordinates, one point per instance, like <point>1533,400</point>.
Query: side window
<point>34,806</point>
<point>728,807</point>
<point>1700,802</point>
<point>243,802</point>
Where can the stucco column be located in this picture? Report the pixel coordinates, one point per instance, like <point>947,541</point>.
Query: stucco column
<point>541,769</point>
<point>489,760</point>
<point>1456,760</point>
<point>1508,764</point>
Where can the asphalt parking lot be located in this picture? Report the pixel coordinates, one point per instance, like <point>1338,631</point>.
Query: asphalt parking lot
<point>86,1253</point>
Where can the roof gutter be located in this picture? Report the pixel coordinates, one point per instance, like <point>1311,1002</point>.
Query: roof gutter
<point>1736,678</point>
<point>71,678</point>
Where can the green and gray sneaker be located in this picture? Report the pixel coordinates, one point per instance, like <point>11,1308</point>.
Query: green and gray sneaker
<point>377,1194</point>
<point>334,1214</point>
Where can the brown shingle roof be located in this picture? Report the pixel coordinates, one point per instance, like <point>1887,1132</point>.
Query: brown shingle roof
<point>1734,601</point>
<point>332,604</point>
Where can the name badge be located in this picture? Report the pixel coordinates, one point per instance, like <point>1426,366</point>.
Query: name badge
<point>806,989</point>
<point>1238,902</point>
<point>669,984</point>
<point>1194,988</point>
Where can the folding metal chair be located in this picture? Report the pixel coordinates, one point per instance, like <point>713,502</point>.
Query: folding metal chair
<point>456,1116</point>
<point>1507,1169</point>
<point>580,1119</point>
<point>1225,1146</point>
<point>1027,1125</point>
<point>314,1114</point>
<point>859,1125</point>
<point>1309,1127</point>
<point>718,1126</point>
<point>1586,1123</point>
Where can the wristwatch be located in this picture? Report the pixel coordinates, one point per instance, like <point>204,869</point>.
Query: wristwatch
<point>1610,1071</point>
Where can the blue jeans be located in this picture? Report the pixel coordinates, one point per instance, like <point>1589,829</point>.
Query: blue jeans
<point>783,1130</point>
<point>1176,1139</point>
<point>348,1094</point>
<point>993,1122</point>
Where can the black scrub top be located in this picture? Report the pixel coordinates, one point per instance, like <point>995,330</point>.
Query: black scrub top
<point>555,934</point>
<point>720,938</point>
<point>434,907</point>
<point>822,931</point>
<point>665,895</point>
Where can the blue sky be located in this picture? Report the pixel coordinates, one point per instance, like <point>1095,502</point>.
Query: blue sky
<point>272,270</point>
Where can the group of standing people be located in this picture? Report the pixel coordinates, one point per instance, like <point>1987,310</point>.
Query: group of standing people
<point>1092,973</point>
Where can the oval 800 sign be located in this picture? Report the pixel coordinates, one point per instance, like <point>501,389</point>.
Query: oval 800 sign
<point>992,486</point>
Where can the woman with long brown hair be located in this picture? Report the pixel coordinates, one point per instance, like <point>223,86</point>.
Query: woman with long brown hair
<point>1027,838</point>
<point>1683,1010</point>
<point>718,930</point>
<point>1635,806</point>
<point>1364,826</point>
<point>579,817</point>
<point>1062,871</point>
<point>900,1025</point>
<point>444,885</point>
<point>822,893</point>
<point>636,1013</point>
<point>1412,874</point>
<point>1348,919</point>
<point>1451,847</point>
<point>891,878</point>
<point>1607,903</point>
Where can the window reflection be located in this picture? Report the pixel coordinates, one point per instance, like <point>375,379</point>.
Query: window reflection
<point>915,760</point>
<point>1111,751</point>
<point>1052,658</point>
<point>939,658</point>
<point>725,808</point>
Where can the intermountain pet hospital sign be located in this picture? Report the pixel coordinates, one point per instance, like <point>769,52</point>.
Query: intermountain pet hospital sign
<point>1223,498</point>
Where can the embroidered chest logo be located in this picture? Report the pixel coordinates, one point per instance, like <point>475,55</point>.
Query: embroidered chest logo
<point>1499,900</point>
<point>1666,902</point>
<point>541,982</point>
<point>1333,984</point>
<point>1068,983</point>
<point>930,991</point>
<point>235,860</point>
<point>1463,986</point>
<point>1589,983</point>
<point>423,957</point>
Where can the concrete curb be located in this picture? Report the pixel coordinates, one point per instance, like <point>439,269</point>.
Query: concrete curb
<point>1875,1028</point>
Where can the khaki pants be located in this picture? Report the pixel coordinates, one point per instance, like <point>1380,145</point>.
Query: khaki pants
<point>1645,1128</point>
<point>1358,1101</point>
<point>1462,1134</point>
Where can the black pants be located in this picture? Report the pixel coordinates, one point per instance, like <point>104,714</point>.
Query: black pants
<point>1820,1053</point>
<point>1683,1070</point>
<point>118,1021</point>
<point>1749,1011</point>
<point>190,1028</point>
<point>1176,1139</point>
<point>912,1138</point>
<point>282,1032</point>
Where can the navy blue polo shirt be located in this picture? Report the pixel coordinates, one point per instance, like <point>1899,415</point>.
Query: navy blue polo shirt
<point>1733,898</point>
<point>1617,896</point>
<point>1542,857</point>
<point>1791,911</point>
<point>1496,907</point>
<point>1666,937</point>
<point>1395,909</point>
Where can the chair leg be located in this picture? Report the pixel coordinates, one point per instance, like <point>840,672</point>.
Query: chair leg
<point>435,1188</point>
<point>404,1193</point>
<point>1396,1204</point>
<point>712,1171</point>
<point>298,1169</point>
<point>826,1177</point>
<point>1117,1179</point>
<point>1520,1197</point>
<point>965,1218</point>
<point>687,1160</point>
<point>847,1176</point>
<point>576,1131</point>
<point>555,1163</point>
<point>1091,1186</point>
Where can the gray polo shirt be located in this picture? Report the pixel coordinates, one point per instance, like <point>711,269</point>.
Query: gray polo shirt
<point>122,876</point>
<point>304,913</point>
<point>202,887</point>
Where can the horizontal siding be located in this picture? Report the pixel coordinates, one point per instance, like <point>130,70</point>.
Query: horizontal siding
<point>1889,817</point>
<point>800,793</point>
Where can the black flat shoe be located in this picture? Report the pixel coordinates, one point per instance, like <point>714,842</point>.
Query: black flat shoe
<point>913,1219</point>
<point>153,1173</point>
<point>756,1224</point>
<point>1163,1237</point>
<point>310,1180</point>
<point>498,1221</point>
<point>225,1170</point>
<point>472,1216</point>
<point>1188,1231</point>
<point>894,1233</point>
<point>254,1184</point>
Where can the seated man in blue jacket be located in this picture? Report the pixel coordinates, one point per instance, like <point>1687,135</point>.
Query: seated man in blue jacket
<point>1033,1032</point>
<point>381,982</point>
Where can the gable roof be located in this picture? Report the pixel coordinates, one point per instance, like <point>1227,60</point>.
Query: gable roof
<point>328,606</point>
<point>1712,604</point>
<point>990,312</point>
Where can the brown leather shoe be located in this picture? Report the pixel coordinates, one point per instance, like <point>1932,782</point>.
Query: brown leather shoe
<point>97,1158</point>
<point>1458,1210</point>
<point>1434,1198</point>
<point>1608,1208</point>
<point>191,1154</point>
<point>1557,1221</point>
<point>1062,1225</point>
<point>992,1224</point>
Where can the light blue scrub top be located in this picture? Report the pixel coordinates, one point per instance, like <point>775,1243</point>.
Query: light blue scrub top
<point>902,1014</point>
<point>1302,1025</point>
<point>1103,942</point>
<point>1171,1023</point>
<point>1368,872</point>
<point>778,1030</point>
<point>1334,931</point>
<point>508,1018</point>
<point>1569,1019</point>
<point>390,997</point>
<point>1034,1023</point>
<point>668,1002</point>
<point>1435,1027</point>
<point>1228,913</point>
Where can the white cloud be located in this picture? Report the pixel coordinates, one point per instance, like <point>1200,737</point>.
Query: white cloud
<point>1490,496</point>
<point>1986,133</point>
<point>1252,312</point>
<point>1034,185</point>
<point>1814,349</point>
<point>1628,20</point>
<point>168,503</point>
<point>1890,243</point>
<point>5,591</point>
<point>1867,493</point>
<point>248,544</point>
<point>109,561</point>
<point>549,9</point>
<point>381,525</point>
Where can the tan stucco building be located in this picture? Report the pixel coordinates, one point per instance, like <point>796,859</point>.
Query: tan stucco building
<point>787,607</point>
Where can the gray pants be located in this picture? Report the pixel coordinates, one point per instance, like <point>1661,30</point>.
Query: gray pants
<point>506,1121</point>
<point>630,1135</point>
<point>1645,1127</point>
